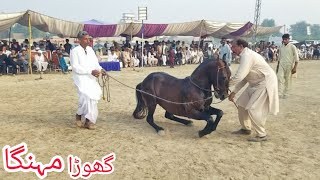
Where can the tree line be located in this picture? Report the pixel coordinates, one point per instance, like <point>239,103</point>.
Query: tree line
<point>298,30</point>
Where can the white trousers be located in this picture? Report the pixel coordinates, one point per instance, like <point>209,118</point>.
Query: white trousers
<point>41,66</point>
<point>284,79</point>
<point>136,62</point>
<point>152,61</point>
<point>87,108</point>
<point>164,60</point>
<point>183,60</point>
<point>255,116</point>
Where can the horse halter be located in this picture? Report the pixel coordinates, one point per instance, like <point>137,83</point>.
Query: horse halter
<point>218,76</point>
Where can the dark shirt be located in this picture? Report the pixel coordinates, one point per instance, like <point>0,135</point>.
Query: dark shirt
<point>67,47</point>
<point>16,47</point>
<point>179,55</point>
<point>3,58</point>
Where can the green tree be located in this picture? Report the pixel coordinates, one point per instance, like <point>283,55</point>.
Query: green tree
<point>299,30</point>
<point>315,31</point>
<point>268,23</point>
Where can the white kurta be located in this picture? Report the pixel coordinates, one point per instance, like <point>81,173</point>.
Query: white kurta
<point>89,91</point>
<point>288,56</point>
<point>261,95</point>
<point>253,69</point>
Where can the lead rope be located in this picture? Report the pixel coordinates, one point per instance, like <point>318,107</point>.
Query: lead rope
<point>233,100</point>
<point>172,102</point>
<point>105,87</point>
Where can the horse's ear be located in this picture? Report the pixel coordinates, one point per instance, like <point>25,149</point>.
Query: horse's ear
<point>225,63</point>
<point>220,62</point>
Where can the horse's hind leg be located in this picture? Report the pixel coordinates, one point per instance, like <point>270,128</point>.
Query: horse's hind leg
<point>174,118</point>
<point>218,113</point>
<point>150,120</point>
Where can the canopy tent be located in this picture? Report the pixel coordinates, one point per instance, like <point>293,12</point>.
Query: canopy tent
<point>96,29</point>
<point>41,22</point>
<point>195,28</point>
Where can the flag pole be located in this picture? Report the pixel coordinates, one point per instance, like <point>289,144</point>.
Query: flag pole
<point>30,40</point>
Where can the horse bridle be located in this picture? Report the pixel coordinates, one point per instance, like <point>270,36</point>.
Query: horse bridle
<point>217,83</point>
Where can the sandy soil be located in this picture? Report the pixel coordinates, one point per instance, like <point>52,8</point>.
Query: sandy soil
<point>41,114</point>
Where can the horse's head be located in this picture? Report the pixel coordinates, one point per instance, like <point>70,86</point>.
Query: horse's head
<point>220,79</point>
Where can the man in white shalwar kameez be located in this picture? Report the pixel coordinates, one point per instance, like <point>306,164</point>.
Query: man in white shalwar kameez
<point>261,95</point>
<point>39,61</point>
<point>86,69</point>
<point>287,65</point>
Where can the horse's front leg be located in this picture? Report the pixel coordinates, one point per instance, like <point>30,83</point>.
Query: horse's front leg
<point>218,113</point>
<point>176,119</point>
<point>195,114</point>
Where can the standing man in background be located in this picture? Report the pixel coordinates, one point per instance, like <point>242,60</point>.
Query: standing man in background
<point>225,52</point>
<point>287,65</point>
<point>67,46</point>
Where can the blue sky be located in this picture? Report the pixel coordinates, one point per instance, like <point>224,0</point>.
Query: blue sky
<point>170,11</point>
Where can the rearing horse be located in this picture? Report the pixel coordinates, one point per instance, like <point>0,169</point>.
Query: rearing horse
<point>190,97</point>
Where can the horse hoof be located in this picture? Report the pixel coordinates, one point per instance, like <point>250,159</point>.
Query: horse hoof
<point>189,123</point>
<point>201,134</point>
<point>161,133</point>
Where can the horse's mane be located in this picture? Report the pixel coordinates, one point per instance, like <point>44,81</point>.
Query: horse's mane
<point>203,65</point>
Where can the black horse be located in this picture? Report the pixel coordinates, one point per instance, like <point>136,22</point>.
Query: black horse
<point>190,97</point>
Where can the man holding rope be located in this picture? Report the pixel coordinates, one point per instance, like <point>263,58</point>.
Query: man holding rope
<point>261,95</point>
<point>86,69</point>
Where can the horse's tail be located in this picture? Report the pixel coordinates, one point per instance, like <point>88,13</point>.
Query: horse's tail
<point>141,110</point>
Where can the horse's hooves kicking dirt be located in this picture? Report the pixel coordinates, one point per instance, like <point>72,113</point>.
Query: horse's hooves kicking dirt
<point>161,133</point>
<point>201,134</point>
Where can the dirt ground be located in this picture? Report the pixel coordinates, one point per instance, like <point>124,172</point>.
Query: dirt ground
<point>41,113</point>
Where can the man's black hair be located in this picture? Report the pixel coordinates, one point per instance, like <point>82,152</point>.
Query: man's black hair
<point>242,42</point>
<point>285,36</point>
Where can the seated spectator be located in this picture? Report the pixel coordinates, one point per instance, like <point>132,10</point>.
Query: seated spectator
<point>40,62</point>
<point>152,60</point>
<point>135,59</point>
<point>23,60</point>
<point>188,56</point>
<point>193,57</point>
<point>127,57</point>
<point>13,55</point>
<point>112,56</point>
<point>199,56</point>
<point>3,66</point>
<point>15,45</point>
<point>63,64</point>
<point>144,57</point>
<point>5,50</point>
<point>99,54</point>
<point>10,61</point>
